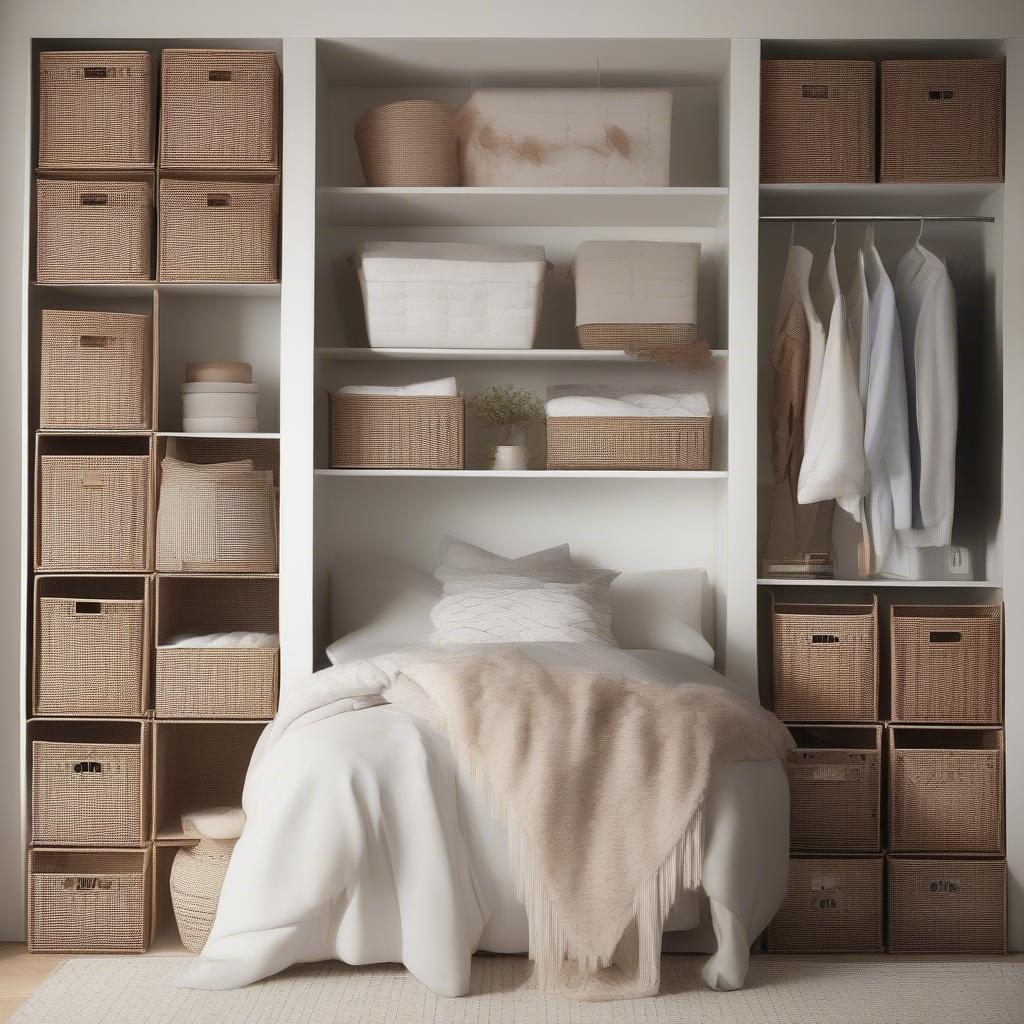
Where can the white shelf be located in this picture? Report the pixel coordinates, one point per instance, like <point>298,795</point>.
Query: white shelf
<point>871,584</point>
<point>900,198</point>
<point>532,474</point>
<point>551,355</point>
<point>191,288</point>
<point>218,435</point>
<point>359,206</point>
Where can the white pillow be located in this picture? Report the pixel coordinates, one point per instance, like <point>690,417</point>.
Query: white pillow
<point>458,554</point>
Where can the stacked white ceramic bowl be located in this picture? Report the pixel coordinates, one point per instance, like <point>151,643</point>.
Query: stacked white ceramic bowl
<point>219,398</point>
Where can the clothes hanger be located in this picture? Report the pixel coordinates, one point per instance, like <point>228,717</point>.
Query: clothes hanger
<point>920,231</point>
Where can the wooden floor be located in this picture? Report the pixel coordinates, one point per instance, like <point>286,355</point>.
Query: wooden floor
<point>20,973</point>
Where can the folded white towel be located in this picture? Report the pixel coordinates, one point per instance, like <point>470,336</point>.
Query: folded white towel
<point>228,638</point>
<point>445,387</point>
<point>617,401</point>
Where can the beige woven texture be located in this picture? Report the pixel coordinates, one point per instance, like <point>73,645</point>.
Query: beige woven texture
<point>409,143</point>
<point>678,344</point>
<point>96,109</point>
<point>86,794</point>
<point>947,906</point>
<point>817,121</point>
<point>947,663</point>
<point>220,110</point>
<point>218,230</point>
<point>825,662</point>
<point>832,905</point>
<point>197,876</point>
<point>629,442</point>
<point>93,512</point>
<point>942,120</point>
<point>88,902</point>
<point>396,432</point>
<point>95,371</point>
<point>94,230</point>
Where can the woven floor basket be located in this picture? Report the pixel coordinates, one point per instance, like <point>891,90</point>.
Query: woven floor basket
<point>629,442</point>
<point>93,512</point>
<point>96,109</point>
<point>89,659</point>
<point>86,794</point>
<point>396,432</point>
<point>95,371</point>
<point>942,120</point>
<point>655,340</point>
<point>817,121</point>
<point>197,876</point>
<point>410,143</point>
<point>220,110</point>
<point>832,905</point>
<point>88,902</point>
<point>947,906</point>
<point>835,796</point>
<point>947,663</point>
<point>825,662</point>
<point>94,230</point>
<point>218,231</point>
<point>945,799</point>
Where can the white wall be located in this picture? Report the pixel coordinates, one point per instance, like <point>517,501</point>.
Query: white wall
<point>21,20</point>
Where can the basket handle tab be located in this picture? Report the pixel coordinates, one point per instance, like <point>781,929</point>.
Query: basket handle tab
<point>93,199</point>
<point>88,768</point>
<point>824,638</point>
<point>93,481</point>
<point>219,75</point>
<point>218,199</point>
<point>939,95</point>
<point>94,340</point>
<point>88,883</point>
<point>95,71</point>
<point>944,887</point>
<point>945,636</point>
<point>88,607</point>
<point>814,92</point>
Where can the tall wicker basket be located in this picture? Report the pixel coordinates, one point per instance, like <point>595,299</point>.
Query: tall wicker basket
<point>409,143</point>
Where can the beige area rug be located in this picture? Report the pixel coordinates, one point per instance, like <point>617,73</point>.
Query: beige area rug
<point>780,990</point>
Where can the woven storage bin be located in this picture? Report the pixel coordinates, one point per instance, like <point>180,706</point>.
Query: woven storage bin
<point>410,144</point>
<point>825,662</point>
<point>220,110</point>
<point>942,120</point>
<point>397,432</point>
<point>95,371</point>
<point>834,789</point>
<point>93,512</point>
<point>94,230</point>
<point>945,791</point>
<point>817,120</point>
<point>629,442</point>
<point>832,905</point>
<point>947,663</point>
<point>96,109</point>
<point>218,230</point>
<point>88,794</point>
<point>82,901</point>
<point>947,906</point>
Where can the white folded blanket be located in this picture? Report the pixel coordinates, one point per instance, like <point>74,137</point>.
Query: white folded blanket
<point>578,401</point>
<point>445,387</point>
<point>223,638</point>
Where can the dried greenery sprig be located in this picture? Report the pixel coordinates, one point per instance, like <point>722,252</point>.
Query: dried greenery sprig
<point>508,408</point>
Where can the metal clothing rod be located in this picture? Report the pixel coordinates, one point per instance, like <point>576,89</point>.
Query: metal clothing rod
<point>878,217</point>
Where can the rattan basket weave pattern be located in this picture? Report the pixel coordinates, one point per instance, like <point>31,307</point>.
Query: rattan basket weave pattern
<point>832,905</point>
<point>197,876</point>
<point>629,442</point>
<point>947,906</point>
<point>95,371</point>
<point>653,340</point>
<point>218,231</point>
<point>88,901</point>
<point>93,512</point>
<point>397,432</point>
<point>96,109</point>
<point>220,110</point>
<point>817,121</point>
<point>94,230</point>
<point>945,798</point>
<point>87,794</point>
<point>409,143</point>
<point>947,663</point>
<point>825,662</point>
<point>942,120</point>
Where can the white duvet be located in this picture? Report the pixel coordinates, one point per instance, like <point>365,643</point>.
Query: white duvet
<point>365,843</point>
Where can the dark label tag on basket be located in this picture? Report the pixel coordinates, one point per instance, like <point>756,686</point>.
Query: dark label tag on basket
<point>88,768</point>
<point>94,341</point>
<point>944,886</point>
<point>826,903</point>
<point>95,72</point>
<point>220,76</point>
<point>218,199</point>
<point>938,636</point>
<point>94,198</point>
<point>824,638</point>
<point>940,94</point>
<point>89,884</point>
<point>814,92</point>
<point>88,607</point>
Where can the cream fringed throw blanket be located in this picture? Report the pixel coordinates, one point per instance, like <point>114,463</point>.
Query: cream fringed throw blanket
<point>601,783</point>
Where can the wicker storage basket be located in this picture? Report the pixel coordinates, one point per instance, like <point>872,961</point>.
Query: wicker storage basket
<point>220,110</point>
<point>942,120</point>
<point>89,901</point>
<point>96,109</point>
<point>832,905</point>
<point>947,663</point>
<point>947,906</point>
<point>825,662</point>
<point>817,120</point>
<point>629,442</point>
<point>834,789</point>
<point>945,790</point>
<point>397,432</point>
<point>93,513</point>
<point>410,143</point>
<point>95,371</point>
<point>218,230</point>
<point>94,230</point>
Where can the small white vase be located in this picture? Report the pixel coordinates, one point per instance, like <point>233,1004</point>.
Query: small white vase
<point>509,456</point>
